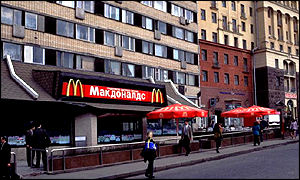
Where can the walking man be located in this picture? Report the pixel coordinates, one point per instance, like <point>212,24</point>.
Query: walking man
<point>41,142</point>
<point>256,130</point>
<point>29,141</point>
<point>186,137</point>
<point>4,158</point>
<point>149,154</point>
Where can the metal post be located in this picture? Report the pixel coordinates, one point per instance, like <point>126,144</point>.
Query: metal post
<point>64,165</point>
<point>131,153</point>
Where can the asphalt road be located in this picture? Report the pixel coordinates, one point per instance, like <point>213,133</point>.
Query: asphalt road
<point>276,163</point>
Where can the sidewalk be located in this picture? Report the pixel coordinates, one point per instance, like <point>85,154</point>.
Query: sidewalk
<point>136,168</point>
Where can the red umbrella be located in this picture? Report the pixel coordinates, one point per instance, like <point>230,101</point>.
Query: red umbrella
<point>177,111</point>
<point>233,113</point>
<point>256,111</point>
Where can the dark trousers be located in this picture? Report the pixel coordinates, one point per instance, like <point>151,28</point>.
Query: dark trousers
<point>28,155</point>
<point>186,144</point>
<point>218,143</point>
<point>149,170</point>
<point>4,171</point>
<point>256,140</point>
<point>261,136</point>
<point>44,158</point>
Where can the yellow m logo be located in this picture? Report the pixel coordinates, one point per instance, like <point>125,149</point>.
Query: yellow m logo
<point>74,87</point>
<point>156,94</point>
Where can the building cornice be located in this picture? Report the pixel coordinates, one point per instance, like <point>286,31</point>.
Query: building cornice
<point>201,41</point>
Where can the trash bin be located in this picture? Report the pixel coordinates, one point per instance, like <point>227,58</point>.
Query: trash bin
<point>80,141</point>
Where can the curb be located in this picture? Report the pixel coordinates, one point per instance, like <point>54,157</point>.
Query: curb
<point>171,166</point>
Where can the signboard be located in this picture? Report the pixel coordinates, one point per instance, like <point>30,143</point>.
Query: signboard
<point>291,95</point>
<point>108,90</point>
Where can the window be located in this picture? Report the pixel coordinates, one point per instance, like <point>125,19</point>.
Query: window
<point>251,11</point>
<point>111,12</point>
<point>233,7</point>
<point>243,10</point>
<point>226,78</point>
<point>147,23</point>
<point>272,45</point>
<point>85,33</point>
<point>226,39</point>
<point>85,63</point>
<point>128,70</point>
<point>178,55</point>
<point>289,50</point>
<point>214,37</point>
<point>281,48</point>
<point>189,15</point>
<point>30,21</point>
<point>65,28</point>
<point>178,32</point>
<point>147,3</point>
<point>223,3</point>
<point>204,55</point>
<point>65,59</point>
<point>276,64</point>
<point>160,50</point>
<point>176,10</point>
<point>191,80</point>
<point>180,78</point>
<point>148,72</point>
<point>112,67</point>
<point>128,43</point>
<point>287,35</point>
<point>203,15</point>
<point>244,44</point>
<point>277,81</point>
<point>161,26</point>
<point>214,17</point>
<point>280,36</point>
<point>203,34</point>
<point>147,47</point>
<point>252,45</point>
<point>70,4</point>
<point>215,58</point>
<point>214,4</point>
<point>14,50</point>
<point>189,36</point>
<point>204,76</point>
<point>279,19</point>
<point>235,60</point>
<point>161,74</point>
<point>269,13</point>
<point>246,81</point>
<point>189,57</point>
<point>109,38</point>
<point>86,5</point>
<point>251,28</point>
<point>243,26</point>
<point>245,64</point>
<point>297,52</point>
<point>127,17</point>
<point>160,5</point>
<point>33,54</point>
<point>216,77</point>
<point>236,80</point>
<point>10,16</point>
<point>234,27</point>
<point>236,42</point>
<point>224,20</point>
<point>226,59</point>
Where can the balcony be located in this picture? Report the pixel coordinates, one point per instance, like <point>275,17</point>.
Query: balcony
<point>216,65</point>
<point>213,5</point>
<point>243,16</point>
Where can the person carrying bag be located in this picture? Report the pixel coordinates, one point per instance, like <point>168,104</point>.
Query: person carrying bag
<point>218,135</point>
<point>149,154</point>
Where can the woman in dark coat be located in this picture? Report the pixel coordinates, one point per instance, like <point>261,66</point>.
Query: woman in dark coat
<point>149,154</point>
<point>218,135</point>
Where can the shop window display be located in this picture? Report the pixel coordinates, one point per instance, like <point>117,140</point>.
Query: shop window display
<point>164,127</point>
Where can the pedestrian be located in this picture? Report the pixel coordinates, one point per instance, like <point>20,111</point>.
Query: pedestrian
<point>29,140</point>
<point>218,130</point>
<point>41,141</point>
<point>186,137</point>
<point>149,154</point>
<point>5,151</point>
<point>262,125</point>
<point>256,130</point>
<point>293,128</point>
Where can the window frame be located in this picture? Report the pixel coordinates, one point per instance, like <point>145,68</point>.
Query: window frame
<point>108,12</point>
<point>14,44</point>
<point>89,29</point>
<point>32,53</point>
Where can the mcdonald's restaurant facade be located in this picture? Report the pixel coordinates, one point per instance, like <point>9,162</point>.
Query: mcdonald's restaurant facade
<point>79,106</point>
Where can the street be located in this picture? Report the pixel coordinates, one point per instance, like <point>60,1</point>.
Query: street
<point>276,163</point>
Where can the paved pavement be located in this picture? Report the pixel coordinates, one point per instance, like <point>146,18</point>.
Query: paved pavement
<point>281,162</point>
<point>138,167</point>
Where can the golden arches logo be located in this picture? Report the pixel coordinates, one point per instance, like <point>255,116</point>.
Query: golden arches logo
<point>155,96</point>
<point>74,87</point>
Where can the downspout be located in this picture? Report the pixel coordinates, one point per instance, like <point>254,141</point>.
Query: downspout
<point>22,83</point>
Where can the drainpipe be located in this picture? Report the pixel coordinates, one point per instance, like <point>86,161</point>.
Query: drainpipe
<point>20,81</point>
<point>254,74</point>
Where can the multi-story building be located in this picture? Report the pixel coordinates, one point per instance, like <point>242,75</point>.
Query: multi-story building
<point>226,38</point>
<point>84,66</point>
<point>277,56</point>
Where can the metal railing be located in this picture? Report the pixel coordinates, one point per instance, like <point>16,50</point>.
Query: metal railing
<point>101,147</point>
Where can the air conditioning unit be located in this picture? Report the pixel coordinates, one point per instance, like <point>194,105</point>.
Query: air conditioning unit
<point>18,31</point>
<point>183,64</point>
<point>181,89</point>
<point>157,35</point>
<point>118,51</point>
<point>79,13</point>
<point>182,20</point>
<point>188,21</point>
